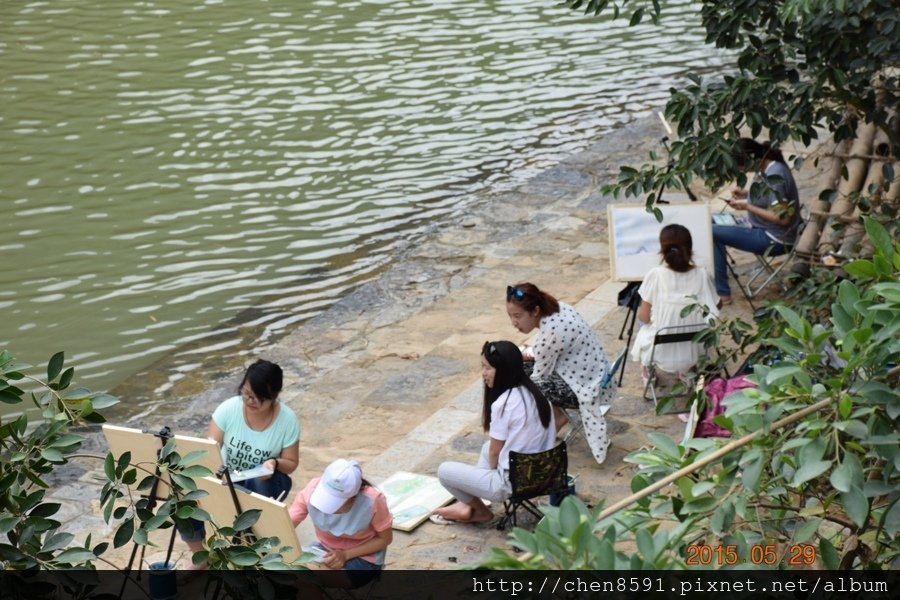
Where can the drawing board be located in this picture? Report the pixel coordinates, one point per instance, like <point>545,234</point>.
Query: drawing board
<point>412,497</point>
<point>144,447</point>
<point>274,520</point>
<point>634,236</point>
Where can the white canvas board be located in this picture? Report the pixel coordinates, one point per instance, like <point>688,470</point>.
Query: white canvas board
<point>412,497</point>
<point>634,236</point>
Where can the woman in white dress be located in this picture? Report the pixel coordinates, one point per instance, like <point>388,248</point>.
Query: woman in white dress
<point>665,292</point>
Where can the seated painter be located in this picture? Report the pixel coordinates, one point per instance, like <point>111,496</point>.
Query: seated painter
<point>517,417</point>
<point>254,431</point>
<point>665,292</point>
<point>773,211</point>
<point>569,364</point>
<point>352,524</point>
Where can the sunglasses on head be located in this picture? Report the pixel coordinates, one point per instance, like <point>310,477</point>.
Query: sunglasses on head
<point>489,349</point>
<point>514,293</point>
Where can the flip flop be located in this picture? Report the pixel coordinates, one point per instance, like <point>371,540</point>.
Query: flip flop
<point>441,520</point>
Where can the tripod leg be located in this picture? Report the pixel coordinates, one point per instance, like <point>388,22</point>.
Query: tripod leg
<point>633,315</point>
<point>729,262</point>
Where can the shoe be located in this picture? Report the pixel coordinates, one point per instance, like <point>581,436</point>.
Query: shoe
<point>726,300</point>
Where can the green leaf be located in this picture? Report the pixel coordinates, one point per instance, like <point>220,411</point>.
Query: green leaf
<point>140,537</point>
<point>636,17</point>
<point>247,519</point>
<point>806,531</point>
<point>810,470</point>
<point>722,518</point>
<point>123,533</point>
<point>101,401</point>
<point>75,555</point>
<point>47,509</point>
<point>55,366</point>
<point>645,545</point>
<point>665,444</point>
<point>8,523</point>
<point>57,540</point>
<point>52,455</point>
<point>66,440</point>
<point>795,321</point>
<point>109,467</point>
<point>892,520</point>
<point>860,268</point>
<point>699,505</point>
<point>66,378</point>
<point>848,474</point>
<point>879,237</point>
<point>195,471</point>
<point>829,555</point>
<point>856,505</point>
<point>779,373</point>
<point>242,557</point>
<point>751,473</point>
<point>845,405</point>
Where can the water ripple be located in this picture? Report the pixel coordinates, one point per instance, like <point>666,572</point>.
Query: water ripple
<point>193,179</point>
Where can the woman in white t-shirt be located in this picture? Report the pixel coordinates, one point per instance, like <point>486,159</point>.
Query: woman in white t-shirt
<point>665,292</point>
<point>517,418</point>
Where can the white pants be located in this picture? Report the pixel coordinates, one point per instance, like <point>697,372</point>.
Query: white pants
<point>466,482</point>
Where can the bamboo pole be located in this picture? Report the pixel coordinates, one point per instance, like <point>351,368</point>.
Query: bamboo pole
<point>854,175</point>
<point>818,208</point>
<point>729,447</point>
<point>854,231</point>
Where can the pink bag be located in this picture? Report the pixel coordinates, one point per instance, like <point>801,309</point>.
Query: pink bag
<point>716,390</point>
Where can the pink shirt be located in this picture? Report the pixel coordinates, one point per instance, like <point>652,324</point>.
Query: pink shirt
<point>343,531</point>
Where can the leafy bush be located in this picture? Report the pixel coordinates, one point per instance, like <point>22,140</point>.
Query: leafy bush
<point>30,536</point>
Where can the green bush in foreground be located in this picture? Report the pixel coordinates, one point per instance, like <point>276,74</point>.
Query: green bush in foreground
<point>30,536</point>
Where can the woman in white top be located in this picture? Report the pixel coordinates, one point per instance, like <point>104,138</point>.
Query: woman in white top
<point>569,362</point>
<point>665,292</point>
<point>517,418</point>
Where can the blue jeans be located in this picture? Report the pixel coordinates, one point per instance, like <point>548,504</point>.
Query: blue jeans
<point>273,487</point>
<point>748,239</point>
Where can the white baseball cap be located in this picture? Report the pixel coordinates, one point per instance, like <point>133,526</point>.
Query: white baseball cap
<point>340,482</point>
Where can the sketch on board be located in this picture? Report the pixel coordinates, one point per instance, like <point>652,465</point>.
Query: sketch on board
<point>412,497</point>
<point>634,236</point>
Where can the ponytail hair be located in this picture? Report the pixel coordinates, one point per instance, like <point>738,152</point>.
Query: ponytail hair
<point>528,296</point>
<point>676,247</point>
<point>747,150</point>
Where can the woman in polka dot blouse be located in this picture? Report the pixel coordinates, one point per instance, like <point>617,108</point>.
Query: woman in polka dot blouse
<point>569,362</point>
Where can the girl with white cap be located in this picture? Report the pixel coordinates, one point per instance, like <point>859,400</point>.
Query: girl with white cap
<point>351,519</point>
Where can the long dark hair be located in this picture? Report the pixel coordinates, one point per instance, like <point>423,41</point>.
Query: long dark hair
<point>676,247</point>
<point>506,358</point>
<point>527,295</point>
<point>265,379</point>
<point>748,150</point>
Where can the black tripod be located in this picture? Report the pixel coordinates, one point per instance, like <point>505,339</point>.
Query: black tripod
<point>629,298</point>
<point>164,435</point>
